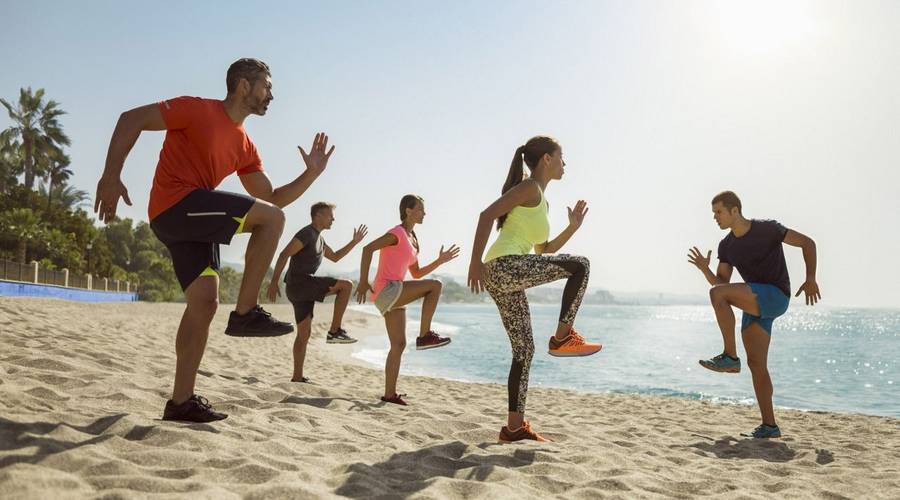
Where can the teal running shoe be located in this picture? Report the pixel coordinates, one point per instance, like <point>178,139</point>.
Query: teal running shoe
<point>722,363</point>
<point>764,432</point>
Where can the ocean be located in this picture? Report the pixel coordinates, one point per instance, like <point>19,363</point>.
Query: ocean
<point>821,358</point>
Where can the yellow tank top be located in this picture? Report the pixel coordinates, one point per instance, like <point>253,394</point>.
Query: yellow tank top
<point>524,228</point>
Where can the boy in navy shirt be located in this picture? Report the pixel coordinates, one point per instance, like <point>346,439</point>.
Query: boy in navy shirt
<point>754,247</point>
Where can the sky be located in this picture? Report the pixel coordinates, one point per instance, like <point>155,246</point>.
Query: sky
<point>658,107</point>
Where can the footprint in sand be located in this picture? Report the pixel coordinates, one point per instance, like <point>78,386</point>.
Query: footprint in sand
<point>824,456</point>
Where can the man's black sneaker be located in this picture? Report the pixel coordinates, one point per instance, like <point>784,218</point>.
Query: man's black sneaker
<point>195,409</point>
<point>256,323</point>
<point>339,337</point>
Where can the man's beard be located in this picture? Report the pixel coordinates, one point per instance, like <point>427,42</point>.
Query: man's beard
<point>259,107</point>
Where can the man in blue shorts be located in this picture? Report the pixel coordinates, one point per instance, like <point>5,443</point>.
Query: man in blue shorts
<point>754,247</point>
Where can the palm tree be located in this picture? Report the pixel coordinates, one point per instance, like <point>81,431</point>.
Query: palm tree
<point>57,173</point>
<point>24,226</point>
<point>37,124</point>
<point>65,196</point>
<point>10,161</point>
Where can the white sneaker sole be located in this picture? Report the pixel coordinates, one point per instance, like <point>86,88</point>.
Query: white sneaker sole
<point>435,346</point>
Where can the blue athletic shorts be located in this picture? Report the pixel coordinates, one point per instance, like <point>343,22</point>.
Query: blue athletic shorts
<point>772,304</point>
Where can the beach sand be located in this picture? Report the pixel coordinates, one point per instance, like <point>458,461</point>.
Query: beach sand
<point>82,387</point>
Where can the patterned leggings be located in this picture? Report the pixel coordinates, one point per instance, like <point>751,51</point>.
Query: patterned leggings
<point>506,279</point>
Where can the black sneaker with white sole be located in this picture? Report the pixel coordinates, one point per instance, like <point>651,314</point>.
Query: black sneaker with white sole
<point>257,322</point>
<point>339,337</point>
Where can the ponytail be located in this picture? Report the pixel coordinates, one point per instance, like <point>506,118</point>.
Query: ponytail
<point>415,241</point>
<point>513,178</point>
<point>410,201</point>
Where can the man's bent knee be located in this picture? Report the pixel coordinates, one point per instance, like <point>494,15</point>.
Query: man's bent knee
<point>717,294</point>
<point>264,214</point>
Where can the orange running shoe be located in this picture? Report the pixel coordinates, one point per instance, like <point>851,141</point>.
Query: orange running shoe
<point>520,434</point>
<point>573,345</point>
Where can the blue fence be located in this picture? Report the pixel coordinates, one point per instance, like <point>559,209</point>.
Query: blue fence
<point>13,288</point>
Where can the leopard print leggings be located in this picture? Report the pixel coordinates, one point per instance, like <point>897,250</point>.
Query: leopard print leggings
<point>506,279</point>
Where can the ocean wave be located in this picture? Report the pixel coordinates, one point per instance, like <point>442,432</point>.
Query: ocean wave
<point>692,395</point>
<point>372,356</point>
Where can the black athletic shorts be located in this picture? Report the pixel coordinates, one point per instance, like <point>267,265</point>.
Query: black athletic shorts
<point>193,228</point>
<point>304,291</point>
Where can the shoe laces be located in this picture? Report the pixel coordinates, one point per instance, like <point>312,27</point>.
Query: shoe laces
<point>202,402</point>
<point>262,311</point>
<point>575,338</point>
<point>526,427</point>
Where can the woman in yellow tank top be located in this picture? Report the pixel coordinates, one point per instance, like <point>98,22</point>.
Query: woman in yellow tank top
<point>510,268</point>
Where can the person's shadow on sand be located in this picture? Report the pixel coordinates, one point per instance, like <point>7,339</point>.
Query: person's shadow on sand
<point>30,435</point>
<point>765,449</point>
<point>407,473</point>
<point>325,402</point>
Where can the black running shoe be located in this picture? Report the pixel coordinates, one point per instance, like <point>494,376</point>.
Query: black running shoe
<point>339,337</point>
<point>195,409</point>
<point>256,323</point>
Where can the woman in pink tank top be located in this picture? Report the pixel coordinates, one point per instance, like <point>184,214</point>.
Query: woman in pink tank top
<point>391,291</point>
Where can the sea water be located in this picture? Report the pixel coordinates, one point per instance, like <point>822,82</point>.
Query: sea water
<point>820,358</point>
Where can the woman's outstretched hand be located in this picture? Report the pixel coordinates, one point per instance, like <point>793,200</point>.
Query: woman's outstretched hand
<point>576,215</point>
<point>448,255</point>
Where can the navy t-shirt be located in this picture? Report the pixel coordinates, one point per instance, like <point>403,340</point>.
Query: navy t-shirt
<point>758,255</point>
<point>306,262</point>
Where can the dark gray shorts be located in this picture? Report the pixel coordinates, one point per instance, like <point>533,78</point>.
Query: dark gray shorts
<point>305,291</point>
<point>193,228</point>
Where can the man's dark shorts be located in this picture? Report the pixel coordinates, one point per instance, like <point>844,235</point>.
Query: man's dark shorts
<point>304,291</point>
<point>193,228</point>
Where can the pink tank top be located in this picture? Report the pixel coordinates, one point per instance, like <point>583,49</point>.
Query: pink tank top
<point>394,261</point>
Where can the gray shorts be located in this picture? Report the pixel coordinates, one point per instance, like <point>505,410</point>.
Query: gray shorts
<point>388,296</point>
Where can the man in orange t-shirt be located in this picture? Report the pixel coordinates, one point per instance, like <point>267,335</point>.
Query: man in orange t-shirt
<point>206,142</point>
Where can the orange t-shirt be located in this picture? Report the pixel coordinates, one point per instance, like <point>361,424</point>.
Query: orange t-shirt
<point>202,147</point>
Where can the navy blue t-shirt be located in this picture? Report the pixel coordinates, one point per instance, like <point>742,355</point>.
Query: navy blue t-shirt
<point>307,261</point>
<point>758,255</point>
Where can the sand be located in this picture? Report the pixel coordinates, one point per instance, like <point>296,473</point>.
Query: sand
<point>82,387</point>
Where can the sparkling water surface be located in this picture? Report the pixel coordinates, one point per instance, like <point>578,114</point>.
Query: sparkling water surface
<point>820,358</point>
